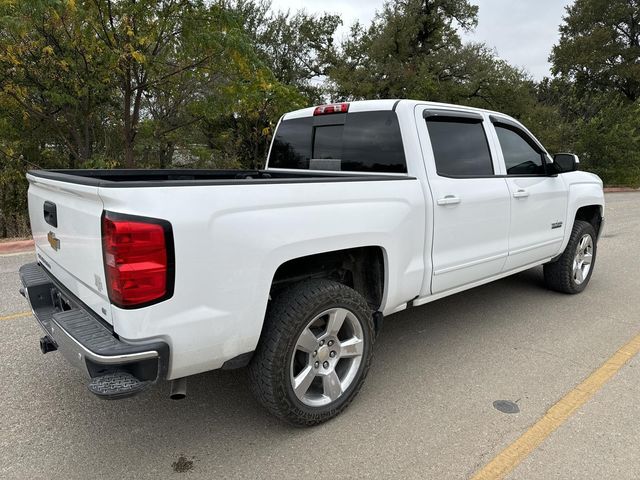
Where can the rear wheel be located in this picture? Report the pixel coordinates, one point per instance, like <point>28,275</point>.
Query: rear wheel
<point>314,352</point>
<point>572,271</point>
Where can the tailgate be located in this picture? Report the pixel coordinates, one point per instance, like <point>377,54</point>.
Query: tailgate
<point>66,225</point>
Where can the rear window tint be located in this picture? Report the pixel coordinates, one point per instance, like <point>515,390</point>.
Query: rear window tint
<point>460,148</point>
<point>358,142</point>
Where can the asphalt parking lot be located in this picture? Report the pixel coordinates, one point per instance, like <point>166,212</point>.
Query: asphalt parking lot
<point>426,410</point>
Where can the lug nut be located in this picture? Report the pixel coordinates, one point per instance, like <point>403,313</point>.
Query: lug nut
<point>321,342</point>
<point>315,352</point>
<point>317,364</point>
<point>330,343</point>
<point>325,364</point>
<point>332,354</point>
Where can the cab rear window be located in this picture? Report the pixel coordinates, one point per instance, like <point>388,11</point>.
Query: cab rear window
<point>352,142</point>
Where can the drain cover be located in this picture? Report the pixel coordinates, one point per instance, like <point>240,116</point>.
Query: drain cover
<point>506,406</point>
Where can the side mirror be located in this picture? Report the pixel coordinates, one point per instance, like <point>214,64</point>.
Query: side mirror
<point>566,162</point>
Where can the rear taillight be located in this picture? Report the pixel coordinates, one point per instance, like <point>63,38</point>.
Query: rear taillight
<point>138,259</point>
<point>331,108</point>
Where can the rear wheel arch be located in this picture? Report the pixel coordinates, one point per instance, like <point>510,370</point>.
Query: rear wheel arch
<point>363,269</point>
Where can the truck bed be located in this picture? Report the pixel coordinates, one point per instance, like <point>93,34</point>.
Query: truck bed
<point>189,177</point>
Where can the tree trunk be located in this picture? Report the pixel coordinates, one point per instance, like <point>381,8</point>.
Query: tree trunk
<point>127,127</point>
<point>132,105</point>
<point>166,154</point>
<point>129,161</point>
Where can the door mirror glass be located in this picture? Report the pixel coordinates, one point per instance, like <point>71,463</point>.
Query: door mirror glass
<point>566,162</point>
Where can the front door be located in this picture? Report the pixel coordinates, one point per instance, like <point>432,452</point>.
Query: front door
<point>538,201</point>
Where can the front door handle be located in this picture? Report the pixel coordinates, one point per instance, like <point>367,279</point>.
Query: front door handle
<point>449,200</point>
<point>520,194</point>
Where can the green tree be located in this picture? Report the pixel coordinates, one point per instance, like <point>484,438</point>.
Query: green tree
<point>413,49</point>
<point>241,135</point>
<point>599,47</point>
<point>21,146</point>
<point>395,57</point>
<point>163,49</point>
<point>549,115</point>
<point>597,85</point>
<point>54,73</point>
<point>296,46</point>
<point>90,68</point>
<point>609,141</point>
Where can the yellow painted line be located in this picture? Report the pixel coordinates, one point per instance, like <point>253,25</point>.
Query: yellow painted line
<point>16,315</point>
<point>515,453</point>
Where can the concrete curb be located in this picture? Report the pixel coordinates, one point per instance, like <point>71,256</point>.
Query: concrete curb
<point>620,189</point>
<point>17,246</point>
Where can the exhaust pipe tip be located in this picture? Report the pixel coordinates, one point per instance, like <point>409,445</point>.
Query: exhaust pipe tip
<point>178,389</point>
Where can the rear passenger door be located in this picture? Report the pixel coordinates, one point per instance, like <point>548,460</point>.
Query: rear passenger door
<point>471,204</point>
<point>538,198</point>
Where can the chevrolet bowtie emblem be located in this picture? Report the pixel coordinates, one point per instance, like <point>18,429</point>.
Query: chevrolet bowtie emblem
<point>53,241</point>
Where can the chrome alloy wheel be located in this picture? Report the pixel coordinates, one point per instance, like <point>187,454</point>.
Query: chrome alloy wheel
<point>583,259</point>
<point>326,357</point>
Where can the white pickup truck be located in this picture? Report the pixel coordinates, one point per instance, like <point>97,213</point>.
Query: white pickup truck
<point>363,210</point>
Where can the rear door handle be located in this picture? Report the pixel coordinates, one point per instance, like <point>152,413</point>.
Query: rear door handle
<point>449,200</point>
<point>520,194</point>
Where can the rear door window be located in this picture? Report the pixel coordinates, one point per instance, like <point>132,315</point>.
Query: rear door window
<point>353,142</point>
<point>460,147</point>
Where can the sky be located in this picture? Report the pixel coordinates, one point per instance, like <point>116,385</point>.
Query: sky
<point>522,31</point>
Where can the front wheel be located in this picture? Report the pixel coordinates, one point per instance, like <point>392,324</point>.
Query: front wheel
<point>314,352</point>
<point>572,271</point>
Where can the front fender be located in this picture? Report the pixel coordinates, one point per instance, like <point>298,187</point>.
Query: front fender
<point>585,190</point>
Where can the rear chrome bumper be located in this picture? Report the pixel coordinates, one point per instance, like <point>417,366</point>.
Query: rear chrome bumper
<point>85,340</point>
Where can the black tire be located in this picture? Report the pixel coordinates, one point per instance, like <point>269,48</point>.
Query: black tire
<point>288,315</point>
<point>558,275</point>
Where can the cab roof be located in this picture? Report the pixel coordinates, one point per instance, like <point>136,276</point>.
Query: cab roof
<point>389,104</point>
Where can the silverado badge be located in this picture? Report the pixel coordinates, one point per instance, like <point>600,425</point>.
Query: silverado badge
<point>53,241</point>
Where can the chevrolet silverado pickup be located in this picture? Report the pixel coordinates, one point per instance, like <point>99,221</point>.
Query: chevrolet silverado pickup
<point>364,209</point>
